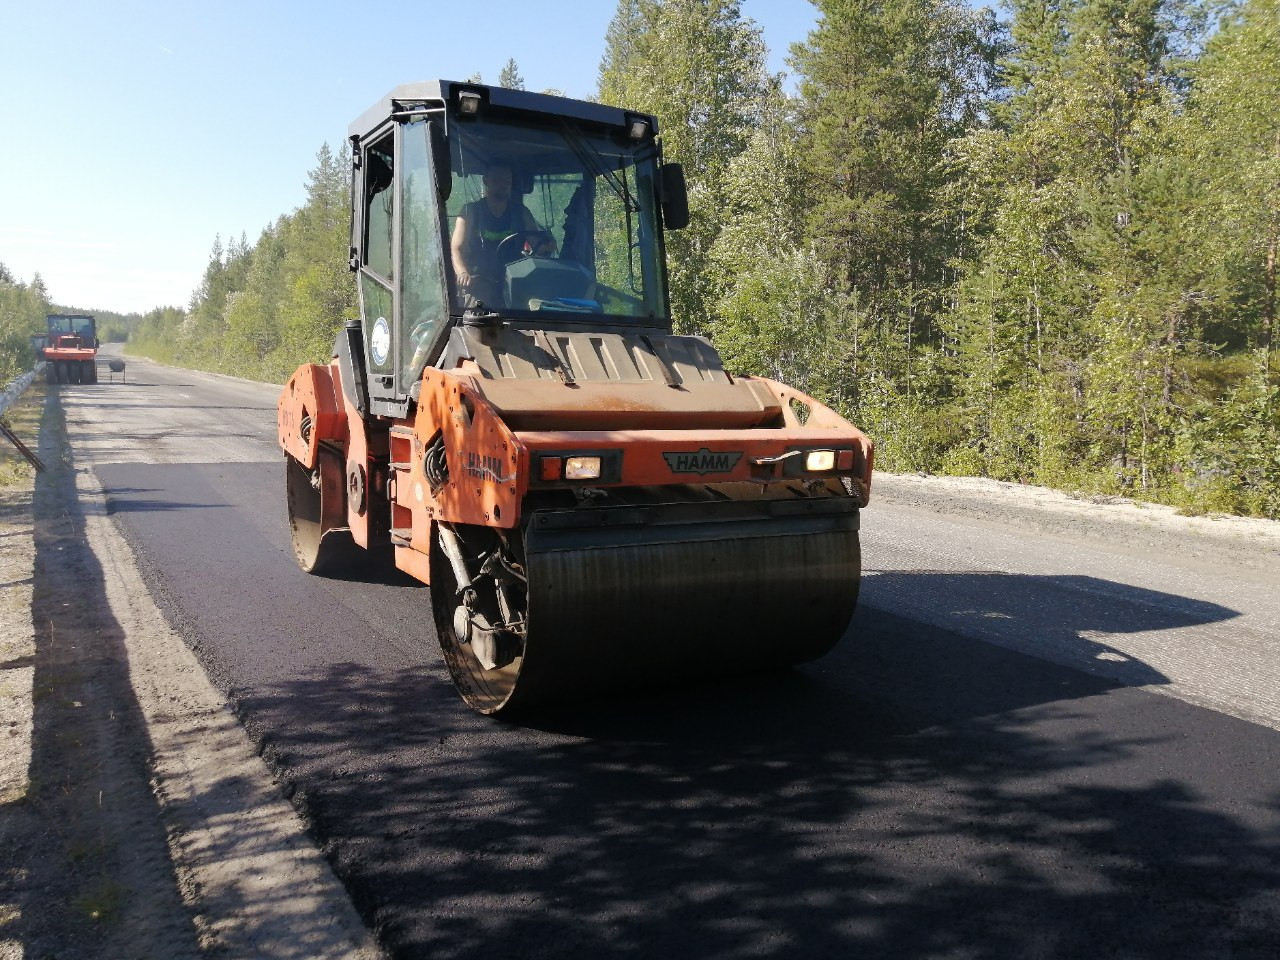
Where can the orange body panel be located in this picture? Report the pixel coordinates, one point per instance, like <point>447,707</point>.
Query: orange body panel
<point>485,485</point>
<point>754,417</point>
<point>415,563</point>
<point>614,405</point>
<point>69,353</point>
<point>313,394</point>
<point>492,466</point>
<point>645,453</point>
<point>366,472</point>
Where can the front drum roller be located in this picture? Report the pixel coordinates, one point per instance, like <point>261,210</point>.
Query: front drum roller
<point>604,599</point>
<point>316,506</point>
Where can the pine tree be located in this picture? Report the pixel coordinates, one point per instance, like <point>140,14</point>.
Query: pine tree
<point>773,308</point>
<point>319,291</point>
<point>884,90</point>
<point>1227,143</point>
<point>1231,137</point>
<point>698,65</point>
<point>510,76</point>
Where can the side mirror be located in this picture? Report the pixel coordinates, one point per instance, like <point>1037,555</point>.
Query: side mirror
<point>675,197</point>
<point>440,159</point>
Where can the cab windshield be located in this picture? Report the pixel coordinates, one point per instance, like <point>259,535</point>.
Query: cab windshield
<point>553,219</point>
<point>61,325</point>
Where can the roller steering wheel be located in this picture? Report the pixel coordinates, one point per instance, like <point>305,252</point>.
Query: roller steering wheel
<point>503,252</point>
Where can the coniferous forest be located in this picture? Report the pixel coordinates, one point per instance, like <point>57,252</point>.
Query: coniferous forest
<point>1037,244</point>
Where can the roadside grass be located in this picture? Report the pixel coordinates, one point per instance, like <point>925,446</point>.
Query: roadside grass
<point>23,418</point>
<point>275,367</point>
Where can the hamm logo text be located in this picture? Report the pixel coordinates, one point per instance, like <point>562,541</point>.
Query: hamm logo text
<point>702,461</point>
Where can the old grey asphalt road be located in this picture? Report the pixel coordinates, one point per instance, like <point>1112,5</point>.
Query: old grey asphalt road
<point>1035,742</point>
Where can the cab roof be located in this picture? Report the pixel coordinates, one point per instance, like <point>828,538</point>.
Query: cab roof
<point>444,92</point>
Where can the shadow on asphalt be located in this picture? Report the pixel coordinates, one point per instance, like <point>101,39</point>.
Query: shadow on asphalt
<point>914,794</point>
<point>1053,617</point>
<point>105,382</point>
<point>151,506</point>
<point>154,407</point>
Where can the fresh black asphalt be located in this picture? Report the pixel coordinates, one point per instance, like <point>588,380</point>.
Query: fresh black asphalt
<point>917,793</point>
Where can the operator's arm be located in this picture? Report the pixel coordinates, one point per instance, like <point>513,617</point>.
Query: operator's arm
<point>459,244</point>
<point>545,247</point>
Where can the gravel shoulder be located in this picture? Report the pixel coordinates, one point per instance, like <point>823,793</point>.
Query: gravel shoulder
<point>136,816</point>
<point>1129,525</point>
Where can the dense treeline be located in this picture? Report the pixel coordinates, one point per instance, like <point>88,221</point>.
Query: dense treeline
<point>1040,247</point>
<point>22,311</point>
<point>1041,250</point>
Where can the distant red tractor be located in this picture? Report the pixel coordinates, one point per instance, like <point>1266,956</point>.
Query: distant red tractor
<point>70,348</point>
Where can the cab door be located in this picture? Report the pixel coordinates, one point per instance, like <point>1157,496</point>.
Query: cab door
<point>375,258</point>
<point>423,316</point>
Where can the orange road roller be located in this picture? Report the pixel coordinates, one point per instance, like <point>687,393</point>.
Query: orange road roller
<point>594,501</point>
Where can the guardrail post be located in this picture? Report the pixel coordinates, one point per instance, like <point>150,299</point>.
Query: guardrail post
<point>10,396</point>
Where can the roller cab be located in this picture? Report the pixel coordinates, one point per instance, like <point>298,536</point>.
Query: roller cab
<point>596,503</point>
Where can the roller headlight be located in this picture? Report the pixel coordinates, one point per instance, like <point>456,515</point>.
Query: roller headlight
<point>582,468</point>
<point>818,461</point>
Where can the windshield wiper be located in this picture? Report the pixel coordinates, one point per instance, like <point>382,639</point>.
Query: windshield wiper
<point>594,163</point>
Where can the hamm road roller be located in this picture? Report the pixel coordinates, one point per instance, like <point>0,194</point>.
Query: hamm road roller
<point>595,502</point>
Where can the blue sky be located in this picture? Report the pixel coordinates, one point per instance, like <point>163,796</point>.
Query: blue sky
<point>135,133</point>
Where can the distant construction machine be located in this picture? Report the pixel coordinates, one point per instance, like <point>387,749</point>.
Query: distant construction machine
<point>70,348</point>
<point>595,502</point>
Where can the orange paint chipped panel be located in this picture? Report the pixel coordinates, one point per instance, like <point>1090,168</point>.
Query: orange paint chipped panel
<point>309,411</point>
<point>485,482</point>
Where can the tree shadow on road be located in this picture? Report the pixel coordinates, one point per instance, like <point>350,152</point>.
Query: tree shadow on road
<point>916,793</point>
<point>1056,618</point>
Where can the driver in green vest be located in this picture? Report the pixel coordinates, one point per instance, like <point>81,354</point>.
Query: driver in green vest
<point>482,227</point>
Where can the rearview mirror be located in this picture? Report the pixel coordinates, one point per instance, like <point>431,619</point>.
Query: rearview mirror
<point>675,197</point>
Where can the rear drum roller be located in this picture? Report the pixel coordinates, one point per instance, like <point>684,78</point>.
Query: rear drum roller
<point>319,551</point>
